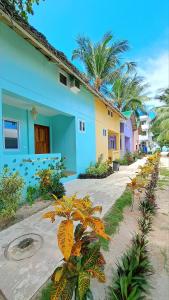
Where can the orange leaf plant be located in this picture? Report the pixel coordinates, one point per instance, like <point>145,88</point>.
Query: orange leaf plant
<point>77,237</point>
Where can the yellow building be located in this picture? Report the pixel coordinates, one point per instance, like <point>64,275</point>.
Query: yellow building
<point>107,130</point>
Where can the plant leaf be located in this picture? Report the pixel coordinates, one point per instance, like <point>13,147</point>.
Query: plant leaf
<point>83,283</point>
<point>76,249</point>
<point>97,273</point>
<point>97,225</point>
<point>50,215</point>
<point>59,287</point>
<point>65,238</point>
<point>57,274</point>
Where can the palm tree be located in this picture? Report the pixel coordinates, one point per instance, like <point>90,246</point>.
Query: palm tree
<point>127,93</point>
<point>102,60</point>
<point>160,127</point>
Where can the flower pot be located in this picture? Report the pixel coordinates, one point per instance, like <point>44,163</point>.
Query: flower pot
<point>116,166</point>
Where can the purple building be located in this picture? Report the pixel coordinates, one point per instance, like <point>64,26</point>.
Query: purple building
<point>126,134</point>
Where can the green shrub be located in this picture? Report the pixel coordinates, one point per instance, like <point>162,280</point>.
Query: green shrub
<point>128,158</point>
<point>57,187</point>
<point>11,186</point>
<point>49,180</point>
<point>131,278</point>
<point>32,194</point>
<point>99,168</point>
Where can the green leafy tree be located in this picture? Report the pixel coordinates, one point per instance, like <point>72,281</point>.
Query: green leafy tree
<point>102,60</point>
<point>160,126</point>
<point>24,7</point>
<point>128,92</point>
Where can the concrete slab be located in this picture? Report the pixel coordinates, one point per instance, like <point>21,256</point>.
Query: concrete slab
<point>20,280</point>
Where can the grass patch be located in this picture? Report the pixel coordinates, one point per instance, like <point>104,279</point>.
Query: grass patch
<point>46,292</point>
<point>164,178</point>
<point>115,215</point>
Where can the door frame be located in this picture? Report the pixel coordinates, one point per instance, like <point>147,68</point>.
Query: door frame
<point>49,136</point>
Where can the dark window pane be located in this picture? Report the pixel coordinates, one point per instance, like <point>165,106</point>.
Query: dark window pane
<point>11,143</point>
<point>63,79</point>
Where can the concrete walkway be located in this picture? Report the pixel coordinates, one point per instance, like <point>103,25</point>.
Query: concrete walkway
<point>20,280</point>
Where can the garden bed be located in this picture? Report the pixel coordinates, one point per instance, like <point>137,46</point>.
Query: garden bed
<point>96,176</point>
<point>24,212</point>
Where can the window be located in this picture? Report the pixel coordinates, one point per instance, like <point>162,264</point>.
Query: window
<point>63,79</point>
<point>112,142</point>
<point>110,113</point>
<point>82,126</point>
<point>104,132</point>
<point>143,122</point>
<point>11,134</point>
<point>77,84</point>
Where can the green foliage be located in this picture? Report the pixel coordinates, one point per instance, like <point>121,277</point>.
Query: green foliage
<point>131,280</point>
<point>57,187</point>
<point>11,186</point>
<point>49,179</point>
<point>128,93</point>
<point>32,194</point>
<point>145,224</point>
<point>80,248</point>
<point>113,218</point>
<point>102,60</point>
<point>47,291</point>
<point>128,159</point>
<point>99,168</point>
<point>147,207</point>
<point>24,7</point>
<point>161,123</point>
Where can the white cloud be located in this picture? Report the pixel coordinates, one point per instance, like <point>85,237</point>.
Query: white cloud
<point>156,71</point>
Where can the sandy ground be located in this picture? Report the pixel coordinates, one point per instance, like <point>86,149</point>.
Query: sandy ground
<point>118,245</point>
<point>158,247</point>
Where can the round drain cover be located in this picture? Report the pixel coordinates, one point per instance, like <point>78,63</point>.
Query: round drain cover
<point>23,246</point>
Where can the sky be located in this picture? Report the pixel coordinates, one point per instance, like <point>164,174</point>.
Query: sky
<point>144,23</point>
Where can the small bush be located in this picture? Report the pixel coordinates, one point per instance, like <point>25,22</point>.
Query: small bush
<point>147,207</point>
<point>131,278</point>
<point>11,186</point>
<point>32,194</point>
<point>98,170</point>
<point>57,187</point>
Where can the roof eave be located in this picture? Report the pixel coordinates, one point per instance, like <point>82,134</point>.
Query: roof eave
<point>52,57</point>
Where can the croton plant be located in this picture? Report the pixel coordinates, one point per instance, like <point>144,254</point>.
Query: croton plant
<point>78,239</point>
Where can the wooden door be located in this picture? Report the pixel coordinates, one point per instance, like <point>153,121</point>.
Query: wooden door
<point>42,141</point>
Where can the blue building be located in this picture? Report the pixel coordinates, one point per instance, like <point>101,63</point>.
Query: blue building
<point>47,106</point>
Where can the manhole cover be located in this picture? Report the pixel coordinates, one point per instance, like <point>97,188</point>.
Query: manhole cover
<point>23,247</point>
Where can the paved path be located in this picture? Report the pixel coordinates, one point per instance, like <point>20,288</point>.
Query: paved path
<point>20,280</point>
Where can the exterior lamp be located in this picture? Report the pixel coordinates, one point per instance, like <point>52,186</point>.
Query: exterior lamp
<point>34,113</point>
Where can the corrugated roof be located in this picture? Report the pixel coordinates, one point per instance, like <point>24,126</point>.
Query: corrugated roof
<point>9,15</point>
<point>127,114</point>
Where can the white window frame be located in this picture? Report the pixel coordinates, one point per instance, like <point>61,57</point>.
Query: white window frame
<point>83,121</point>
<point>18,122</point>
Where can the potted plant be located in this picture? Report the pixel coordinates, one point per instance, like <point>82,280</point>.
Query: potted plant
<point>116,165</point>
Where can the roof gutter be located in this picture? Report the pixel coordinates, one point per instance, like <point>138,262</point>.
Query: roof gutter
<point>14,25</point>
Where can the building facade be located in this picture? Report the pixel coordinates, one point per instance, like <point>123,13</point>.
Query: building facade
<point>128,134</point>
<point>44,113</point>
<point>145,135</point>
<point>107,130</point>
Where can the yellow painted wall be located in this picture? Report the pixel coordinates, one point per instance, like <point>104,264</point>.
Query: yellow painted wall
<point>112,125</point>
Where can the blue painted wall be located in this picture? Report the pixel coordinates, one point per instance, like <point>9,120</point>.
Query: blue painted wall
<point>28,75</point>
